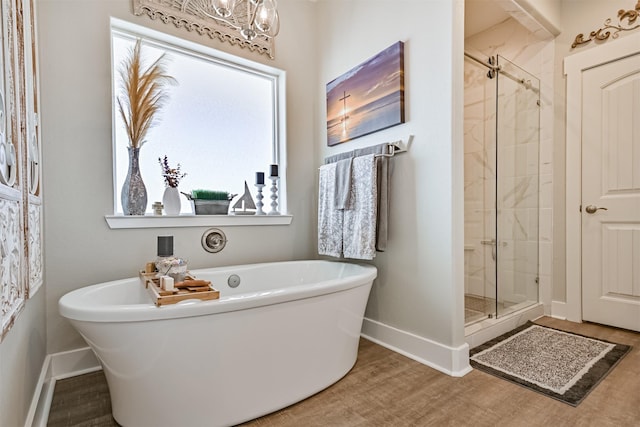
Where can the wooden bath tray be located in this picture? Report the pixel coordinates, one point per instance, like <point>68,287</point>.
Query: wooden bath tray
<point>201,290</point>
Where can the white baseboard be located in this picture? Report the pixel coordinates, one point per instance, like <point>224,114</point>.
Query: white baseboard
<point>452,361</point>
<point>57,366</point>
<point>478,333</point>
<point>559,310</point>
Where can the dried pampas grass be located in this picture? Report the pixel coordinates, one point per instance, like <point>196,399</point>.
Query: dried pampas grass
<point>142,94</point>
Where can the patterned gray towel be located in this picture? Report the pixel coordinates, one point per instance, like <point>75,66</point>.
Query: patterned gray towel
<point>359,228</point>
<point>330,219</point>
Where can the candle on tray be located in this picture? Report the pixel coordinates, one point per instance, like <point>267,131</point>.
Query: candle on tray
<point>274,171</point>
<point>259,178</point>
<point>166,283</point>
<point>165,246</point>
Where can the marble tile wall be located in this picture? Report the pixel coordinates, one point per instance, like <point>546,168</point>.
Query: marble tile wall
<point>524,192</point>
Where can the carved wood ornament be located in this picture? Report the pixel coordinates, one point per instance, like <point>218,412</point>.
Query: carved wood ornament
<point>612,30</point>
<point>188,14</point>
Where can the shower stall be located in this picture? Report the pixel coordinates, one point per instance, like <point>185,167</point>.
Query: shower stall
<point>502,138</point>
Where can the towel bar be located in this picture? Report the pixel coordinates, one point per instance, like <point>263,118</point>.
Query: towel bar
<point>394,148</point>
<point>397,147</point>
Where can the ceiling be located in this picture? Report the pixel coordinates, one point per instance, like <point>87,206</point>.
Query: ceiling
<point>482,14</point>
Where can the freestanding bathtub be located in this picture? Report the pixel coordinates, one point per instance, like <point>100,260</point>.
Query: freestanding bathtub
<point>287,331</point>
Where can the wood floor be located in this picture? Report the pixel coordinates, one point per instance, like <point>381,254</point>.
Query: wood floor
<point>387,389</point>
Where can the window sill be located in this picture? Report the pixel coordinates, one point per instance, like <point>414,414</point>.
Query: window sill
<point>164,221</point>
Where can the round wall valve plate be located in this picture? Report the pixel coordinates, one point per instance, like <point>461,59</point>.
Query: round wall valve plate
<point>214,240</point>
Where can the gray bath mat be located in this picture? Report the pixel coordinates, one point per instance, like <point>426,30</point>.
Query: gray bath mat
<point>558,364</point>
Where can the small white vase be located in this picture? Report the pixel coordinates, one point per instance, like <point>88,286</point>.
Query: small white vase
<point>171,201</point>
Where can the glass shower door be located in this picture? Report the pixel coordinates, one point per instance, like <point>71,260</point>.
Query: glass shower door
<point>517,187</point>
<point>480,191</point>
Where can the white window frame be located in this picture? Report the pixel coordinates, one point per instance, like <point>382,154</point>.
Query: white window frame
<point>277,76</point>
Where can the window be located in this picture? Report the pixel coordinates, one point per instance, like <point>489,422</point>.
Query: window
<point>222,122</point>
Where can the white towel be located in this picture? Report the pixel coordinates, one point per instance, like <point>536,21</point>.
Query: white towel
<point>330,219</point>
<point>359,228</point>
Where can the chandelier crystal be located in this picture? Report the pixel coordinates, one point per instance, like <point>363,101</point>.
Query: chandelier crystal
<point>252,18</point>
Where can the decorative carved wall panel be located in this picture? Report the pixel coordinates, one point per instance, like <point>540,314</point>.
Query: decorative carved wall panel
<point>35,247</point>
<point>12,291</point>
<point>20,177</point>
<point>32,103</point>
<point>9,120</point>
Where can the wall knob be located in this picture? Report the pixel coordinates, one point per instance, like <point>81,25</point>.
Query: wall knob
<point>213,240</point>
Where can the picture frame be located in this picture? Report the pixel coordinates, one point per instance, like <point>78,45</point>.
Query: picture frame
<point>367,98</point>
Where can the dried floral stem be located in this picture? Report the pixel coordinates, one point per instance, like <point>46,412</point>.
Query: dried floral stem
<point>142,94</point>
<point>172,176</point>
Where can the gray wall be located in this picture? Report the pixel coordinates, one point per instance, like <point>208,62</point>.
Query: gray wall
<point>21,355</point>
<point>420,285</point>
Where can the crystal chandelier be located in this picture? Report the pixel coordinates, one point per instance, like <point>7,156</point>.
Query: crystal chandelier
<point>252,18</point>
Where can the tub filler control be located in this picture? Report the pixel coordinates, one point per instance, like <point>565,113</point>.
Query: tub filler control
<point>233,281</point>
<point>213,240</point>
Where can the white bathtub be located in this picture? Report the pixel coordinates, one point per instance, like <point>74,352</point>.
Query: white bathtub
<point>289,330</point>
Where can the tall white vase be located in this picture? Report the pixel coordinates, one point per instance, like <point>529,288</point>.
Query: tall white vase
<point>171,201</point>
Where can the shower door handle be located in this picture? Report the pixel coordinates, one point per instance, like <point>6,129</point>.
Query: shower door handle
<point>593,209</point>
<point>492,243</point>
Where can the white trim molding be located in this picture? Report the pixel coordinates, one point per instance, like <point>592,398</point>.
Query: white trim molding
<point>574,66</point>
<point>452,361</point>
<point>162,221</point>
<point>57,366</point>
<point>559,310</point>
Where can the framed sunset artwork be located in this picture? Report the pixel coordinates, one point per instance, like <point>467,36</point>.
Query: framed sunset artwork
<point>367,98</point>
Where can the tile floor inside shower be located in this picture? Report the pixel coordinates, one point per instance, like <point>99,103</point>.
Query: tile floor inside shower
<point>478,308</point>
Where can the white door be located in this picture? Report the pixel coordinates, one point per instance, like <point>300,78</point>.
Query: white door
<point>611,193</point>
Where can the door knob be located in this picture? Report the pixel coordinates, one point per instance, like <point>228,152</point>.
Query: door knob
<point>593,209</point>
